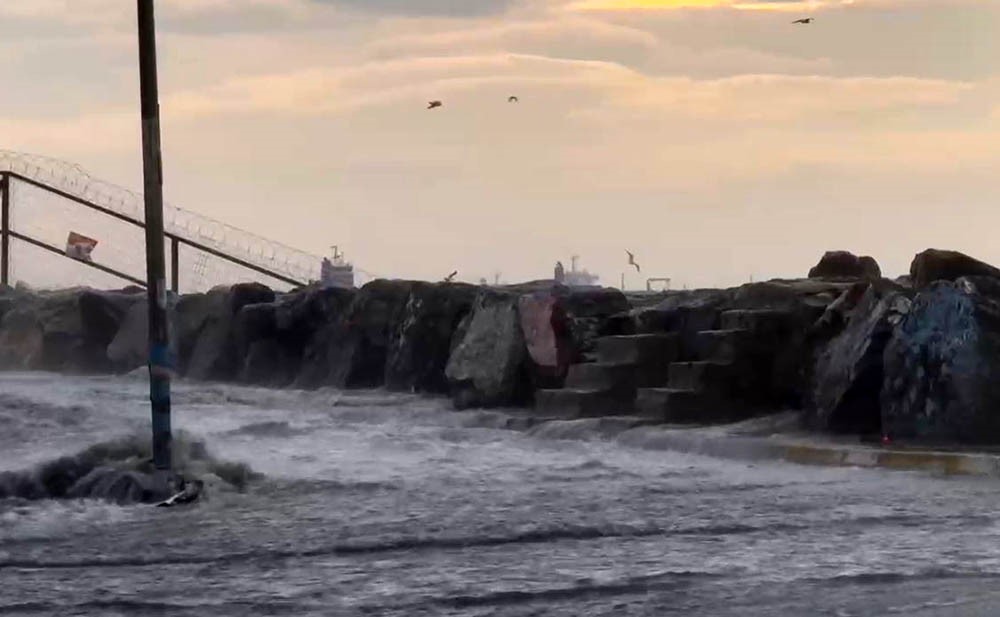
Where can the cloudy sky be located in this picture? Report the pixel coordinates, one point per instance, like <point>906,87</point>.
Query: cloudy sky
<point>712,138</point>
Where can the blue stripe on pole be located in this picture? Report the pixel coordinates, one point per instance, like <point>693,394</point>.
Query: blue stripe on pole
<point>159,356</point>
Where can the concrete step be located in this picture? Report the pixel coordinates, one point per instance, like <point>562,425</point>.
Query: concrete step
<point>680,406</point>
<point>601,376</point>
<point>582,403</point>
<point>618,377</point>
<point>641,349</point>
<point>756,320</point>
<point>724,378</point>
<point>722,345</point>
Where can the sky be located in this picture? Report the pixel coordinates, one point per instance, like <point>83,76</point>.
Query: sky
<point>712,138</point>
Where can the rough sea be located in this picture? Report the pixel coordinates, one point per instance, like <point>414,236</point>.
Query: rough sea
<point>371,503</point>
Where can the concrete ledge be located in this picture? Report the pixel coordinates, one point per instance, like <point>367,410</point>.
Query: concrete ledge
<point>801,450</point>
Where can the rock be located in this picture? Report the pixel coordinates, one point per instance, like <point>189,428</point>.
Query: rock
<point>103,312</point>
<point>193,313</point>
<point>586,312</point>
<point>318,317</point>
<point>936,265</point>
<point>560,327</point>
<point>849,371</point>
<point>942,365</point>
<point>130,347</point>
<point>64,330</point>
<point>21,336</point>
<point>684,312</point>
<point>836,315</point>
<point>253,323</point>
<point>419,350</point>
<point>208,322</point>
<point>488,367</point>
<point>303,322</point>
<point>268,356</point>
<point>352,351</point>
<point>547,338</point>
<point>845,265</point>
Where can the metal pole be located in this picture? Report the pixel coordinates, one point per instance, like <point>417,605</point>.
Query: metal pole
<point>159,350</point>
<point>175,265</point>
<point>5,231</point>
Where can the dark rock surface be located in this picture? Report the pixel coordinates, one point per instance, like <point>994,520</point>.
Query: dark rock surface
<point>561,325</point>
<point>66,330</point>
<point>937,265</point>
<point>352,351</point>
<point>488,367</point>
<point>206,327</point>
<point>845,265</point>
<point>129,349</point>
<point>305,325</point>
<point>423,339</point>
<point>942,365</point>
<point>849,371</point>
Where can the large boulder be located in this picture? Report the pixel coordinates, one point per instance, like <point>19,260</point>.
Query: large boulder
<point>849,370</point>
<point>937,265</point>
<point>547,338</point>
<point>205,324</point>
<point>561,324</point>
<point>129,349</point>
<point>585,313</point>
<point>488,366</point>
<point>942,365</point>
<point>845,265</point>
<point>66,330</point>
<point>421,344</point>
<point>271,338</point>
<point>352,351</point>
<point>103,312</point>
<point>20,331</point>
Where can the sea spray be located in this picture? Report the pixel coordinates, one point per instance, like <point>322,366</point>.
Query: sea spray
<point>120,470</point>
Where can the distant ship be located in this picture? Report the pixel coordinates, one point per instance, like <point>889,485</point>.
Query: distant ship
<point>579,278</point>
<point>336,273</point>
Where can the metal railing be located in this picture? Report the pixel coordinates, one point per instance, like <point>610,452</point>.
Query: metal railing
<point>225,245</point>
<point>7,232</point>
<point>176,238</point>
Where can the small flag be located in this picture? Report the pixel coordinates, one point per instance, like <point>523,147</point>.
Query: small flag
<point>79,246</point>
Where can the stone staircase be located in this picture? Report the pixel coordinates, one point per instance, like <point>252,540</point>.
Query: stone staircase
<point>720,375</point>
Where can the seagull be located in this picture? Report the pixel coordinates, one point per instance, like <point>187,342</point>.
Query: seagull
<point>631,261</point>
<point>807,20</point>
<point>512,99</point>
<point>434,104</point>
<point>451,277</point>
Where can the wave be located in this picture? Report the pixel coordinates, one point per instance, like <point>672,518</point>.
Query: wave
<point>895,578</point>
<point>265,429</point>
<point>636,585</point>
<point>405,543</point>
<point>118,470</point>
<point>134,607</point>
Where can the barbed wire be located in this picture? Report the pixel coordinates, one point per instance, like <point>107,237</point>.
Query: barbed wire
<point>74,180</point>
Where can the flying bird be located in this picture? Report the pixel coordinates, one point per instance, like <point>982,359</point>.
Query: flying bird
<point>631,261</point>
<point>451,277</point>
<point>434,104</point>
<point>806,20</point>
<point>512,99</point>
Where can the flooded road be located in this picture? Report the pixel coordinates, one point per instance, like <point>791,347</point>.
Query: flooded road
<point>380,504</point>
